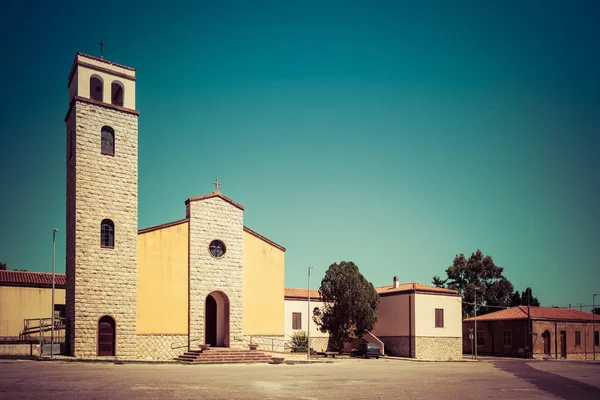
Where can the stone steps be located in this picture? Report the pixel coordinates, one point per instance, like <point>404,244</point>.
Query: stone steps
<point>224,356</point>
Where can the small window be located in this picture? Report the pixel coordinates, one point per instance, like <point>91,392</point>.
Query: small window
<point>439,317</point>
<point>480,338</point>
<point>116,90</point>
<point>577,338</point>
<point>107,233</point>
<point>507,338</point>
<point>296,320</point>
<point>95,88</point>
<point>596,339</point>
<point>107,141</point>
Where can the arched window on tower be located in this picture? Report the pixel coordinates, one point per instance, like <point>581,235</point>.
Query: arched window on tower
<point>117,93</point>
<point>107,233</point>
<point>96,88</point>
<point>107,141</point>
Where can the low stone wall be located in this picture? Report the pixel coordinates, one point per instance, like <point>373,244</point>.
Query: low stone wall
<point>161,347</point>
<point>19,349</point>
<point>438,348</point>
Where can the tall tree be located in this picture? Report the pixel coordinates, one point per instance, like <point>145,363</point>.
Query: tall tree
<point>526,299</point>
<point>349,304</point>
<point>478,274</point>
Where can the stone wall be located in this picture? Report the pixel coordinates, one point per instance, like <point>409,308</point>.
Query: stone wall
<point>210,219</point>
<point>101,281</point>
<point>438,348</point>
<point>160,347</point>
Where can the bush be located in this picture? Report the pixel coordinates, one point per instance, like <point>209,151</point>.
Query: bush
<point>299,342</point>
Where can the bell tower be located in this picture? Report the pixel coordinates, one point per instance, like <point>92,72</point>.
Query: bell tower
<point>102,209</point>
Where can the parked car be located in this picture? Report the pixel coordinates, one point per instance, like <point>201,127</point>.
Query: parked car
<point>366,350</point>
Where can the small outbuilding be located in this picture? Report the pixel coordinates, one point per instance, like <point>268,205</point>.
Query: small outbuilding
<point>558,333</point>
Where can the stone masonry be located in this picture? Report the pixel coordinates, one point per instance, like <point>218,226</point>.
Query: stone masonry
<point>214,218</point>
<point>160,347</point>
<point>438,348</point>
<point>101,281</point>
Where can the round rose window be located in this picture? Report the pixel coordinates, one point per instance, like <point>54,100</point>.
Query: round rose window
<point>217,248</point>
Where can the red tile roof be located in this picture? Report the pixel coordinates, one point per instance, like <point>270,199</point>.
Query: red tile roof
<point>301,294</point>
<point>410,287</point>
<point>546,313</point>
<point>31,279</point>
<point>215,193</point>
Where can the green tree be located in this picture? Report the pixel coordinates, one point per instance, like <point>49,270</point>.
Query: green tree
<point>2,267</point>
<point>478,274</point>
<point>596,310</point>
<point>518,300</point>
<point>349,304</point>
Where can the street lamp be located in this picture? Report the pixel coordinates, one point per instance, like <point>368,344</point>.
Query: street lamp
<point>594,324</point>
<point>308,315</point>
<point>53,281</point>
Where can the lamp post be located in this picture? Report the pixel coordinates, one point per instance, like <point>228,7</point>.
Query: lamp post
<point>308,316</point>
<point>475,308</point>
<point>53,282</point>
<point>594,324</point>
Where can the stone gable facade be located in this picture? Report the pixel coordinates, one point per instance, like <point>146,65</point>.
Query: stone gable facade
<point>211,219</point>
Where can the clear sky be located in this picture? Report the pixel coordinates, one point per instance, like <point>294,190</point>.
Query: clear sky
<point>391,134</point>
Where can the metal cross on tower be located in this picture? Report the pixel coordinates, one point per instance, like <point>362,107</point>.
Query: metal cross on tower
<point>102,45</point>
<point>216,183</point>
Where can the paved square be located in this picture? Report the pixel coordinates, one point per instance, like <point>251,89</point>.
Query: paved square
<point>347,379</point>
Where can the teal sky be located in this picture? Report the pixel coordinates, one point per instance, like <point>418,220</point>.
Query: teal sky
<point>392,134</point>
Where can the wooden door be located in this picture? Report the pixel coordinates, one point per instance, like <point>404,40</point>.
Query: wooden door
<point>106,336</point>
<point>211,321</point>
<point>563,344</point>
<point>547,343</point>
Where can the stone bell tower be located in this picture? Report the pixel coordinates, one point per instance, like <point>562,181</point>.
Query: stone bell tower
<point>102,209</point>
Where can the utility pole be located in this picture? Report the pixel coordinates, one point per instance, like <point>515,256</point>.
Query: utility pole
<point>308,316</point>
<point>594,324</point>
<point>53,281</point>
<point>530,351</point>
<point>475,307</point>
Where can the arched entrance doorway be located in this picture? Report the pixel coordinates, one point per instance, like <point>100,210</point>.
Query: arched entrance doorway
<point>216,319</point>
<point>546,336</point>
<point>106,336</point>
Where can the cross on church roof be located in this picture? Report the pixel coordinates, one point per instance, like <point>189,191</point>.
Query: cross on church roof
<point>216,183</point>
<point>102,45</point>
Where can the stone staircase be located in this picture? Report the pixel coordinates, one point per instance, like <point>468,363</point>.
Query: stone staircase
<point>224,355</point>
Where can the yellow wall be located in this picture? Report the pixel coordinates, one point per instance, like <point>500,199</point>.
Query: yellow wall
<point>393,316</point>
<point>425,306</point>
<point>162,290</point>
<point>81,85</point>
<point>19,303</point>
<point>263,287</point>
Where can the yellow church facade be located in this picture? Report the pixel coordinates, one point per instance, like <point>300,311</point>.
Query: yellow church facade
<point>155,292</point>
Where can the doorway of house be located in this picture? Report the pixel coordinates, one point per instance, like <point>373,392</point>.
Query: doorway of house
<point>546,336</point>
<point>563,344</point>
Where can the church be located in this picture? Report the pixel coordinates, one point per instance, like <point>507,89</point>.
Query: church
<point>205,279</point>
<point>159,291</point>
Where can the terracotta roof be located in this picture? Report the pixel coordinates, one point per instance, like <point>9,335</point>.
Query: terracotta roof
<point>216,193</point>
<point>411,287</point>
<point>547,313</point>
<point>292,293</point>
<point>31,279</point>
<point>162,226</point>
<point>105,61</point>
<point>258,235</point>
